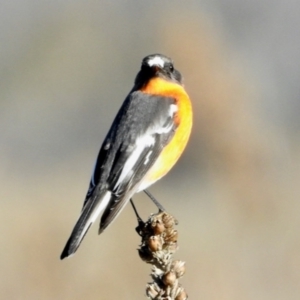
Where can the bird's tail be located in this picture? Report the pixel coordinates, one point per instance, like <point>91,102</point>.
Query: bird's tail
<point>89,214</point>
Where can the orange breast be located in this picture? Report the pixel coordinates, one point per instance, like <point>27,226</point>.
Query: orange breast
<point>183,119</point>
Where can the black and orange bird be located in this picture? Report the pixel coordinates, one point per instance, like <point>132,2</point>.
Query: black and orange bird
<point>144,142</point>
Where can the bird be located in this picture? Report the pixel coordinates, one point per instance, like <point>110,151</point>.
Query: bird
<point>147,137</point>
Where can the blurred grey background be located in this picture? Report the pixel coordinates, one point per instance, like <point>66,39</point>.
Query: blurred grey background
<point>66,67</point>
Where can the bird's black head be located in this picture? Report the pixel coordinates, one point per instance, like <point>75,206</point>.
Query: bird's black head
<point>157,65</point>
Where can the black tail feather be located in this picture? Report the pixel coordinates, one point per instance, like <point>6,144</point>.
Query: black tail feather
<point>71,246</point>
<point>90,212</point>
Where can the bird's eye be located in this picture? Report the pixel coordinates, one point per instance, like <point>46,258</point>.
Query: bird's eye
<point>171,67</point>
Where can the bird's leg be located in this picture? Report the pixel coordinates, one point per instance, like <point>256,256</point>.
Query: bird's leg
<point>158,205</point>
<point>141,223</point>
<point>139,219</point>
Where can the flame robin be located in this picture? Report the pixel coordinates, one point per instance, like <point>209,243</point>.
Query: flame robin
<point>144,142</point>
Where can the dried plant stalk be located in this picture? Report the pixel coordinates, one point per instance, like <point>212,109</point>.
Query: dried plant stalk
<point>159,243</point>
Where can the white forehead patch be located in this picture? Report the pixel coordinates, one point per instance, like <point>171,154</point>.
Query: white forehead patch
<point>156,61</point>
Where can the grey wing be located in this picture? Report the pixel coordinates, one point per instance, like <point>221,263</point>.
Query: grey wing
<point>143,126</point>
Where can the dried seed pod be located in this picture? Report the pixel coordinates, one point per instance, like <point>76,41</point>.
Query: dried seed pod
<point>182,295</point>
<point>169,278</point>
<point>159,243</point>
<point>171,247</point>
<point>172,236</point>
<point>179,268</point>
<point>154,243</point>
<point>168,220</point>
<point>145,254</point>
<point>158,227</point>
